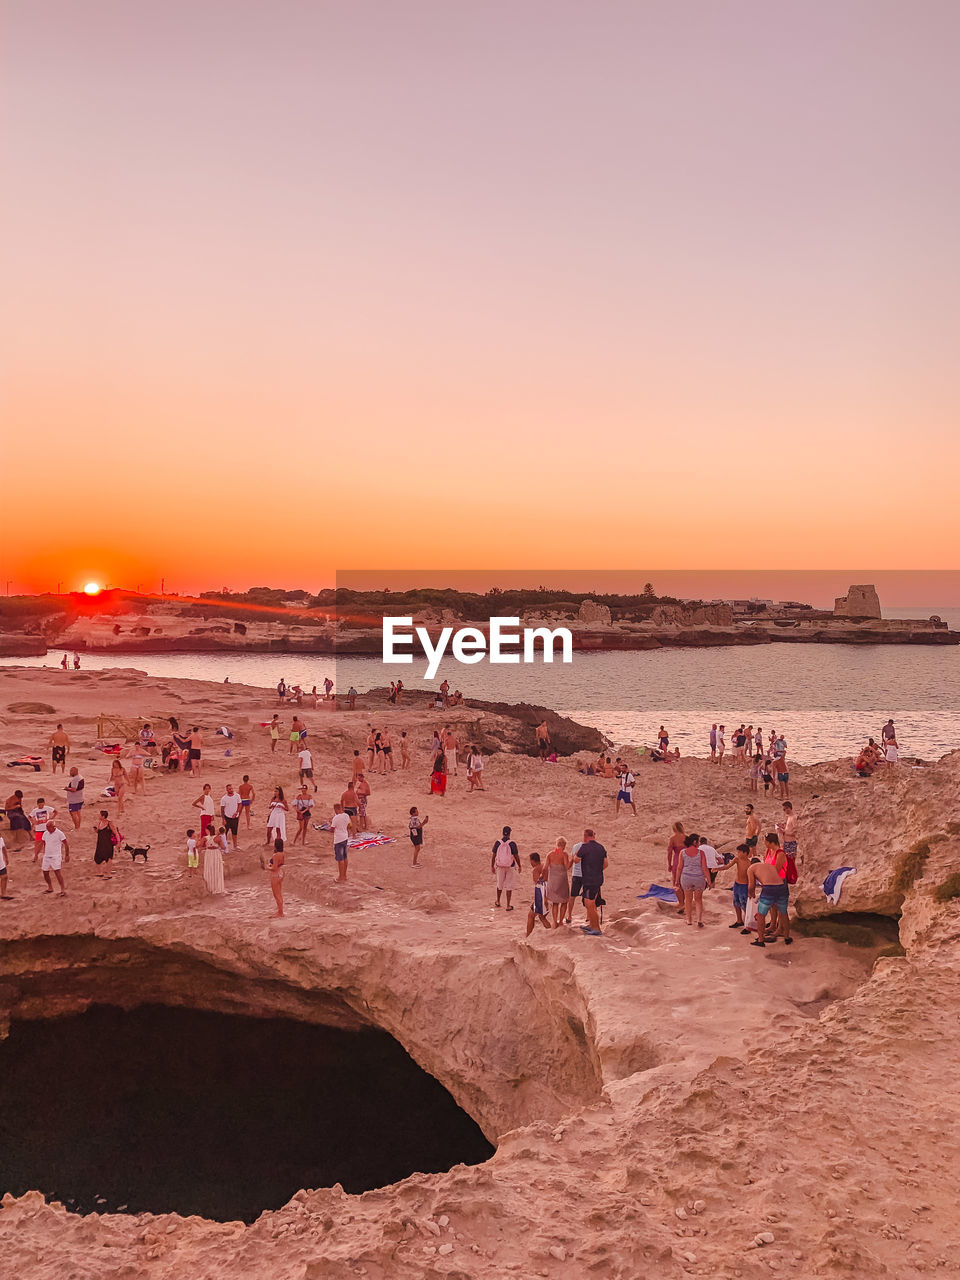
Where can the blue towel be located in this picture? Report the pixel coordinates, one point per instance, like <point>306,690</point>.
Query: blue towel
<point>661,892</point>
<point>834,882</point>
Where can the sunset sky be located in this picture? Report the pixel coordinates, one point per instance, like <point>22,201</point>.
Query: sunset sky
<point>301,284</point>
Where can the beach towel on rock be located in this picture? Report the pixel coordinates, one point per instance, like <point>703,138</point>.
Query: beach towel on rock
<point>26,762</point>
<point>368,840</point>
<point>662,893</point>
<point>835,881</point>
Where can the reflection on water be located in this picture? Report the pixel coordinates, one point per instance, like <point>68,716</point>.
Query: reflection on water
<point>825,698</point>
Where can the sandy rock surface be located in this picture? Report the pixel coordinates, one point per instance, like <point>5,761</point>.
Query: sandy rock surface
<point>664,1101</point>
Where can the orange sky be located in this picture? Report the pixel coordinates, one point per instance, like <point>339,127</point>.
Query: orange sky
<point>294,286</point>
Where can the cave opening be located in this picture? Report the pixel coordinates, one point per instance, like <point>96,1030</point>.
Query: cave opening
<point>165,1109</point>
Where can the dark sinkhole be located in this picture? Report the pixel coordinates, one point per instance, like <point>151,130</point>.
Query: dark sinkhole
<point>174,1110</point>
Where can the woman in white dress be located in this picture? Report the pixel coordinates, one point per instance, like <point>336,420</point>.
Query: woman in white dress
<point>212,864</point>
<point>277,818</point>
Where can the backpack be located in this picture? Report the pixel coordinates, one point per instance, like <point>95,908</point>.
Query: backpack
<point>504,857</point>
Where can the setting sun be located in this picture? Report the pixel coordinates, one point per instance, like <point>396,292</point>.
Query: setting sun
<point>92,588</point>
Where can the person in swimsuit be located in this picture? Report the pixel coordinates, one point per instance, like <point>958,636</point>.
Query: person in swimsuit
<point>767,877</point>
<point>537,910</point>
<point>692,877</point>
<point>350,803</point>
<point>274,865</point>
<point>362,788</point>
<point>674,845</point>
<point>787,830</point>
<point>118,780</point>
<point>404,750</point>
<point>59,749</point>
<point>713,742</point>
<point>756,772</point>
<point>196,746</point>
<point>276,724</point>
<point>298,731</point>
<point>557,867</point>
<point>741,863</point>
<point>779,914</point>
<point>247,797</point>
<point>386,748</point>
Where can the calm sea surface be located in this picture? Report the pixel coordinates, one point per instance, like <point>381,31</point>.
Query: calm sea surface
<point>825,698</point>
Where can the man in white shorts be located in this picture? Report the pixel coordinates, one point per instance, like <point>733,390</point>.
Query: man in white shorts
<point>56,849</point>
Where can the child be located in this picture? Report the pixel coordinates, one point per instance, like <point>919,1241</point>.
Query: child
<point>756,770</point>
<point>193,858</point>
<point>416,832</point>
<point>222,841</point>
<point>741,861</point>
<point>538,909</point>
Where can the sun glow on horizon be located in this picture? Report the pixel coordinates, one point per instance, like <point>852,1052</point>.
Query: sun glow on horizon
<point>92,588</point>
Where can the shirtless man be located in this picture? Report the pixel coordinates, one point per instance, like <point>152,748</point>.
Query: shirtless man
<point>371,748</point>
<point>783,771</point>
<point>752,834</point>
<point>741,866</point>
<point>450,744</point>
<point>358,765</point>
<point>350,803</point>
<point>788,832</point>
<point>773,902</point>
<point>59,749</point>
<point>386,751</point>
<point>404,750</point>
<point>543,740</point>
<point>196,746</point>
<point>247,797</point>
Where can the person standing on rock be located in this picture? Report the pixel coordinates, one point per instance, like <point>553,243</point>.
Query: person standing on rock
<point>721,743</point>
<point>556,868</point>
<point>450,744</point>
<point>416,832</point>
<point>592,860</point>
<point>766,875</point>
<point>438,778</point>
<point>212,863</point>
<point>362,788</point>
<point>108,837</point>
<point>204,802</point>
<point>404,750</point>
<point>713,742</point>
<point>56,850</point>
<point>59,749</point>
<point>274,865</point>
<point>543,740</point>
<point>625,792</point>
<point>74,791</point>
<point>504,864</point>
<point>538,909</point>
<point>674,844</point>
<point>230,804</point>
<point>475,770</point>
<point>196,746</point>
<point>277,817</point>
<point>788,830</point>
<point>303,805</point>
<point>340,824</point>
<point>247,797</point>
<point>274,727</point>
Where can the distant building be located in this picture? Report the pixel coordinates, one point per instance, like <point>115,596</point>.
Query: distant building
<point>859,602</point>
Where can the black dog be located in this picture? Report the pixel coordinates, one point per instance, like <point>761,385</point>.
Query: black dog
<point>137,853</point>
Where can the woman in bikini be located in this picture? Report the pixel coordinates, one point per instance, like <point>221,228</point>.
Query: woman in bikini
<point>674,845</point>
<point>118,780</point>
<point>274,865</point>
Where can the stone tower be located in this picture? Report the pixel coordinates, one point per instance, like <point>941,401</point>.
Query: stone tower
<point>859,602</point>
